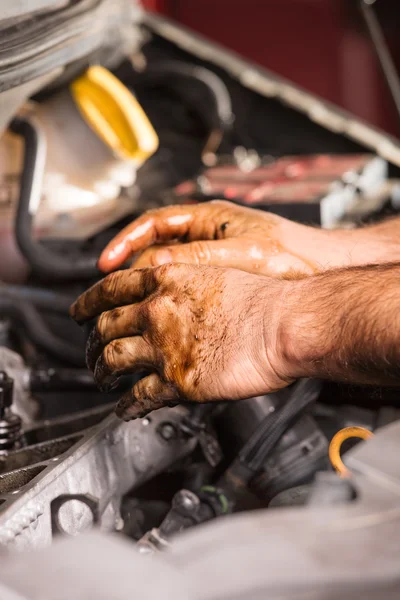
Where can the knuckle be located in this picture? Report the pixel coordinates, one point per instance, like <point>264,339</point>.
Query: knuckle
<point>148,280</point>
<point>171,273</point>
<point>101,325</point>
<point>111,356</point>
<point>158,314</point>
<point>110,284</point>
<point>150,212</point>
<point>145,312</point>
<point>161,307</point>
<point>201,251</point>
<point>164,272</point>
<point>222,204</point>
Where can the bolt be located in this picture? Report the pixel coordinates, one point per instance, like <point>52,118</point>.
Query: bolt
<point>167,431</point>
<point>186,500</point>
<point>144,549</point>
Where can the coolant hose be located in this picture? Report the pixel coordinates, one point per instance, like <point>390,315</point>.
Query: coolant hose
<point>305,392</point>
<point>26,315</point>
<point>46,264</point>
<point>267,435</point>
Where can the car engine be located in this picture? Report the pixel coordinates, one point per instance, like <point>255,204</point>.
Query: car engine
<point>202,123</point>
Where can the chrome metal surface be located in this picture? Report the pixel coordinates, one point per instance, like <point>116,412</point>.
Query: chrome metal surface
<point>349,551</point>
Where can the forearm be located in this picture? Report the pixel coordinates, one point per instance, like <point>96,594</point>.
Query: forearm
<point>343,325</point>
<point>327,249</point>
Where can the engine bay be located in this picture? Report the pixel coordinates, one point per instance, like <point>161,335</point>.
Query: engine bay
<point>205,124</point>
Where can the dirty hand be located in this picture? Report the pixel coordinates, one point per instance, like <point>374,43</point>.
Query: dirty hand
<point>202,333</point>
<point>216,233</point>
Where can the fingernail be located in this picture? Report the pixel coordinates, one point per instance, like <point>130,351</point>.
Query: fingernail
<point>128,416</point>
<point>127,412</point>
<point>72,314</point>
<point>93,349</point>
<point>108,384</point>
<point>163,257</point>
<point>104,379</point>
<point>121,408</point>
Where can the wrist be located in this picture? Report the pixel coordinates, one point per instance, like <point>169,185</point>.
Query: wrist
<point>341,325</point>
<point>277,300</point>
<point>301,334</point>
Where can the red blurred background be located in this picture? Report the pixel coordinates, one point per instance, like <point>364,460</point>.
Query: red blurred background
<point>319,44</point>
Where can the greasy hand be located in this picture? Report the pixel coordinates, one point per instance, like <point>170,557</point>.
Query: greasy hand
<point>203,334</point>
<point>216,233</point>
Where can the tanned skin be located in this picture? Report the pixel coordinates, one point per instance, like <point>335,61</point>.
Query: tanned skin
<point>225,235</point>
<point>210,333</point>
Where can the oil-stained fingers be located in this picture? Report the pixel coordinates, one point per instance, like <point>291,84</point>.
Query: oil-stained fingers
<point>154,226</point>
<point>117,289</point>
<point>150,393</point>
<point>204,252</point>
<point>126,355</point>
<point>125,321</point>
<point>162,226</point>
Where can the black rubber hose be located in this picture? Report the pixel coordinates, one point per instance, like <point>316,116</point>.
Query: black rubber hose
<point>39,297</point>
<point>27,317</point>
<point>167,69</point>
<point>61,379</point>
<point>46,264</point>
<point>305,392</point>
<point>264,439</point>
<point>221,117</point>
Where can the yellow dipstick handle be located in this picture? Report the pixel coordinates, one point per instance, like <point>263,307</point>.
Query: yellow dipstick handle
<point>114,114</point>
<point>336,444</point>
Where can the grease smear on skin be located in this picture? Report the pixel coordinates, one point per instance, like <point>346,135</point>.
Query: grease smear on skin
<point>178,219</point>
<point>138,232</point>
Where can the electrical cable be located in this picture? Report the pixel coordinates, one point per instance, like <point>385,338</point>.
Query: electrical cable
<point>45,263</point>
<point>382,51</point>
<point>218,120</point>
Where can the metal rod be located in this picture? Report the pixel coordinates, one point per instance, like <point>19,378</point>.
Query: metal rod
<point>382,50</point>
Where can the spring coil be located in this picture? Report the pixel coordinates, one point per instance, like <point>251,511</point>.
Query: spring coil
<point>10,431</point>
